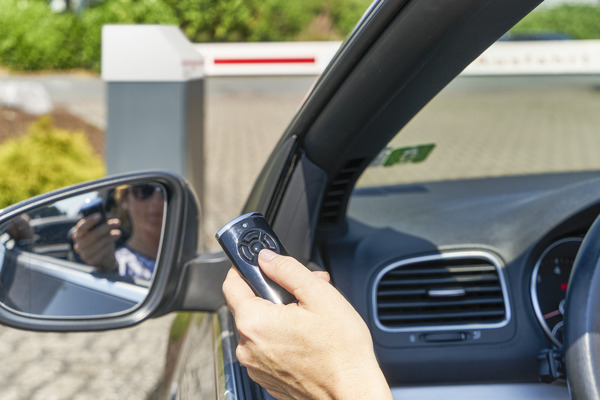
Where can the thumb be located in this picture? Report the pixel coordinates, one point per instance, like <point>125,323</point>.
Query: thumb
<point>291,275</point>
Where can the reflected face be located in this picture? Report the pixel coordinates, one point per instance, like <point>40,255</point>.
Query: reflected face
<point>145,204</point>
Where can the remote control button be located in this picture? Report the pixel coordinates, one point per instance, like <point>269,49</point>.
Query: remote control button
<point>269,243</point>
<point>257,247</point>
<point>250,236</point>
<point>246,253</point>
<point>252,242</point>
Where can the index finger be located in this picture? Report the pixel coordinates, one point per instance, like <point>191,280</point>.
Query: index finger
<point>237,292</point>
<point>86,223</point>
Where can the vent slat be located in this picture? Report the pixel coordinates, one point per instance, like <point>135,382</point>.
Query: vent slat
<point>442,270</point>
<point>441,280</point>
<point>438,292</point>
<point>474,290</point>
<point>401,292</point>
<point>453,316</point>
<point>338,191</point>
<point>332,203</point>
<point>343,181</point>
<point>406,307</point>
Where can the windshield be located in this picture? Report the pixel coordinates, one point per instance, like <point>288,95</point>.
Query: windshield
<point>497,125</point>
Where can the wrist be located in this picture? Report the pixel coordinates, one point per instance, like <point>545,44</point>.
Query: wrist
<point>364,382</point>
<point>110,265</point>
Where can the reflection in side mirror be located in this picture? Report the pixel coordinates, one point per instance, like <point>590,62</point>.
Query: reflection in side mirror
<point>89,254</point>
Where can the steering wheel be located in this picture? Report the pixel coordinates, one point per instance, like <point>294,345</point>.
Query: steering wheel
<point>582,319</point>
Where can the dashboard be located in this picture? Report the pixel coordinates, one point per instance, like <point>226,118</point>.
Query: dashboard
<point>492,255</point>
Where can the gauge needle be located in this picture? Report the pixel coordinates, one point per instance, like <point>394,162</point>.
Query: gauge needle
<point>551,314</point>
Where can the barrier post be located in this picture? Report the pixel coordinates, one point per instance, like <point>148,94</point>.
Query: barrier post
<point>155,101</point>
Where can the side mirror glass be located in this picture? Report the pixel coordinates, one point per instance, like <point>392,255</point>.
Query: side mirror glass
<point>89,253</point>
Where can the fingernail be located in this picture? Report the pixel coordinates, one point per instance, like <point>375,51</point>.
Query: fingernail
<point>267,255</point>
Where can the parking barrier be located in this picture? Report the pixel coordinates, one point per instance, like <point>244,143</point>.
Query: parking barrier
<point>155,101</point>
<point>311,58</point>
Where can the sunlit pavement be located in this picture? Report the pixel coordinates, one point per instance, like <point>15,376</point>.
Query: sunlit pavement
<point>123,364</point>
<point>244,119</point>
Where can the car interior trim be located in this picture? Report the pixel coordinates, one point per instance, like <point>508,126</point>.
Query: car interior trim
<point>296,228</point>
<point>517,391</point>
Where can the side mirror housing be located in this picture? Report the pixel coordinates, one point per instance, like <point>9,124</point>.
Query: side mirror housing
<point>46,282</point>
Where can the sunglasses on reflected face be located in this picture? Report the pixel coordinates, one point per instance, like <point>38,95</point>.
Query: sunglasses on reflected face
<point>145,191</point>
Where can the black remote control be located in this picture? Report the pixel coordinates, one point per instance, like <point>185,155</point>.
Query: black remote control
<point>242,239</point>
<point>91,206</point>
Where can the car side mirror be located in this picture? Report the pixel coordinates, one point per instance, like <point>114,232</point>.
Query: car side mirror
<point>105,254</point>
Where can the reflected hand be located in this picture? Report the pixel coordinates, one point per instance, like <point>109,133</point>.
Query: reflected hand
<point>95,243</point>
<point>318,347</point>
<point>19,228</point>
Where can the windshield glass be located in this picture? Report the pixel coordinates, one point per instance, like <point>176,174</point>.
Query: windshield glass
<point>497,125</point>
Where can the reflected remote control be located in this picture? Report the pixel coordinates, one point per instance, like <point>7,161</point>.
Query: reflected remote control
<point>242,239</point>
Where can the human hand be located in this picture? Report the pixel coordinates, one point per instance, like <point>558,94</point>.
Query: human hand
<point>317,348</point>
<point>19,228</point>
<point>95,243</point>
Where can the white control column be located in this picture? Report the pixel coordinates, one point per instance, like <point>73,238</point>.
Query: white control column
<point>155,101</point>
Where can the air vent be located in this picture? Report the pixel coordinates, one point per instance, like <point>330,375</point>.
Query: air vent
<point>337,193</point>
<point>441,292</point>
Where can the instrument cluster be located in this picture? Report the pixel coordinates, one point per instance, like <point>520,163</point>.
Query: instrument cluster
<point>549,282</point>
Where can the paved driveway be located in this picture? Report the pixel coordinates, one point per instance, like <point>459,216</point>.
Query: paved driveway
<point>127,364</point>
<point>245,117</point>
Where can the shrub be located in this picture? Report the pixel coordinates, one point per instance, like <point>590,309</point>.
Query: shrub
<point>33,38</point>
<point>577,21</point>
<point>265,20</point>
<point>345,14</point>
<point>278,20</point>
<point>45,158</point>
<point>213,20</point>
<point>118,12</point>
<point>242,20</point>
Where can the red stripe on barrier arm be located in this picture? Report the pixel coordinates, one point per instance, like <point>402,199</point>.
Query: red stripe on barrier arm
<point>309,60</point>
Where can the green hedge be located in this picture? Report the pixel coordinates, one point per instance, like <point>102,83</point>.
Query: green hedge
<point>577,21</point>
<point>44,159</point>
<point>32,37</point>
<point>118,12</point>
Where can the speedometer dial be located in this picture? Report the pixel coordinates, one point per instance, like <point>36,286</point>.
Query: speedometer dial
<point>549,285</point>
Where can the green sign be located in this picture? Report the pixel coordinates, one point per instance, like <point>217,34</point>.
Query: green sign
<point>407,155</point>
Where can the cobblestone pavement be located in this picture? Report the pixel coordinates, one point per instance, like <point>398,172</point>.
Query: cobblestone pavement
<point>244,119</point>
<point>122,364</point>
